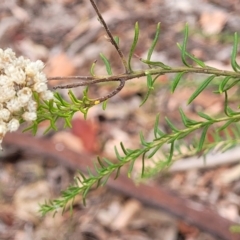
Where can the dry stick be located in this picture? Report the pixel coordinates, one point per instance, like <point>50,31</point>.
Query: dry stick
<point>120,53</point>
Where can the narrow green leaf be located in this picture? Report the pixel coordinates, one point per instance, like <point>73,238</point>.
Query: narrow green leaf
<point>118,172</point>
<point>183,117</point>
<point>98,183</point>
<point>82,175</point>
<point>92,68</point>
<point>61,100</point>
<point>100,162</point>
<point>176,81</point>
<point>156,126</point>
<point>50,104</point>
<point>157,64</point>
<point>131,167</point>
<point>117,154</point>
<point>78,180</point>
<point>89,172</point>
<point>171,153</point>
<point>85,194</point>
<point>107,161</point>
<point>234,64</point>
<point>155,40</point>
<point>134,44</point>
<point>143,142</point>
<point>201,88</point>
<point>123,148</point>
<point>85,112</point>
<point>104,105</point>
<point>231,85</point>
<point>104,181</point>
<point>183,47</point>
<point>149,81</point>
<point>170,124</point>
<point>107,64</point>
<point>178,137</point>
<point>187,121</point>
<point>67,122</point>
<point>226,125</point>
<point>223,84</point>
<point>146,97</point>
<point>96,168</point>
<point>226,108</point>
<point>205,116</point>
<point>143,163</point>
<point>154,151</point>
<point>202,139</point>
<point>198,61</point>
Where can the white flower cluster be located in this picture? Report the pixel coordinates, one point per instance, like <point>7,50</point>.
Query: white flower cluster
<point>19,78</point>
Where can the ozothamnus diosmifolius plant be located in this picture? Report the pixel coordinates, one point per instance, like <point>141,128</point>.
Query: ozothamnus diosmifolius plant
<point>26,98</point>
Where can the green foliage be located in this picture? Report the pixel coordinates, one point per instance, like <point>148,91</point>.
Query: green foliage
<point>134,44</point>
<point>193,135</point>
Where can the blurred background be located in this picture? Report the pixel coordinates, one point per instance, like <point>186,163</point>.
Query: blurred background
<point>67,37</point>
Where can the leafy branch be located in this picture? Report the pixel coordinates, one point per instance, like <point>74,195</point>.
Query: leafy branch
<point>106,168</point>
<point>60,108</point>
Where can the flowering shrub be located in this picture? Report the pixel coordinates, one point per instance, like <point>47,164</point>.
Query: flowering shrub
<point>19,80</point>
<point>24,97</point>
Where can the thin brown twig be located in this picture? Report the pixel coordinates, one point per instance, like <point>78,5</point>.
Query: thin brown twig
<point>71,78</point>
<point>141,73</point>
<point>120,53</point>
<point>111,94</point>
<point>85,83</point>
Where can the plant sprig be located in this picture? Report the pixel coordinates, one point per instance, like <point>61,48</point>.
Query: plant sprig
<point>104,168</point>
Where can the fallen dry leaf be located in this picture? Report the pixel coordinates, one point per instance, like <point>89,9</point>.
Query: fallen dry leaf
<point>86,130</point>
<point>213,22</point>
<point>59,65</point>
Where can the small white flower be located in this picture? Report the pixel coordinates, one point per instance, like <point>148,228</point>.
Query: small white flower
<point>13,125</point>
<point>31,106</point>
<point>33,67</point>
<point>40,77</point>
<point>14,105</point>
<point>40,87</point>
<point>24,95</point>
<point>29,116</point>
<point>46,95</point>
<point>9,70</point>
<point>3,129</point>
<point>6,93</point>
<point>5,114</point>
<point>4,80</point>
<point>19,77</point>
<point>39,65</point>
<point>8,55</point>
